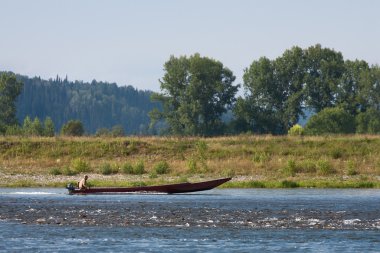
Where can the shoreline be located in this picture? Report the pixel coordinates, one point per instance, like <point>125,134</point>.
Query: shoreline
<point>341,161</point>
<point>242,182</point>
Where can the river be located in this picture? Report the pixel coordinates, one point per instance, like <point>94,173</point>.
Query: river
<point>220,220</point>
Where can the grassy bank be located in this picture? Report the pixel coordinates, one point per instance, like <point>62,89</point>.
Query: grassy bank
<point>253,161</point>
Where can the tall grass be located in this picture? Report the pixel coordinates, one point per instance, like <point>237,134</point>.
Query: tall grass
<point>268,158</point>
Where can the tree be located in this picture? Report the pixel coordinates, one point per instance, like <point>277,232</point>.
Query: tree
<point>368,122</point>
<point>10,88</point>
<point>195,92</point>
<point>274,93</point>
<point>117,131</point>
<point>350,89</point>
<point>324,68</point>
<point>331,121</point>
<point>73,128</point>
<point>49,128</point>
<point>37,128</point>
<point>27,126</point>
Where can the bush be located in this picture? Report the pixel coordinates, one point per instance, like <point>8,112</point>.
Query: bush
<point>330,121</point>
<point>107,169</point>
<point>291,168</point>
<point>261,157</point>
<point>139,168</point>
<point>117,131</point>
<point>368,122</point>
<point>68,172</point>
<point>127,168</point>
<point>336,154</point>
<point>192,165</point>
<point>162,168</point>
<point>351,171</point>
<point>80,166</point>
<point>324,168</point>
<point>307,166</point>
<point>73,128</point>
<point>55,171</point>
<point>296,130</point>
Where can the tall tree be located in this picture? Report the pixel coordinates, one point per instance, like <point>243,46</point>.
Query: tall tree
<point>273,93</point>
<point>323,68</point>
<point>10,88</point>
<point>350,93</point>
<point>195,92</point>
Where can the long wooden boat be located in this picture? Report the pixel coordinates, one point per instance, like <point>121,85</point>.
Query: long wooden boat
<point>168,188</point>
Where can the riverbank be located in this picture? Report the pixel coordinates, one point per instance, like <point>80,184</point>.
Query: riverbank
<point>252,161</point>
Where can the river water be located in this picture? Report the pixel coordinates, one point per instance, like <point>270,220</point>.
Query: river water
<point>221,220</point>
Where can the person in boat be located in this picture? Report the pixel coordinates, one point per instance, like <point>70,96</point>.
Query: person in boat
<point>82,184</point>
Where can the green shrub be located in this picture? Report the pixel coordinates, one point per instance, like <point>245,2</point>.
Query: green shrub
<point>139,168</point>
<point>307,166</point>
<point>162,168</point>
<point>261,157</point>
<point>192,165</point>
<point>69,172</point>
<point>351,171</point>
<point>324,168</point>
<point>296,130</point>
<point>291,168</point>
<point>330,121</point>
<point>127,168</point>
<point>73,128</point>
<point>55,171</point>
<point>336,154</point>
<point>80,166</point>
<point>107,169</point>
<point>368,122</point>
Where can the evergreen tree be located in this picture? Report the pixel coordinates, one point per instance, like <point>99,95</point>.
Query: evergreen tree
<point>10,88</point>
<point>48,127</point>
<point>37,128</point>
<point>27,126</point>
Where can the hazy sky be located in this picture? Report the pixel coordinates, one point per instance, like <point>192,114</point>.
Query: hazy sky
<point>127,41</point>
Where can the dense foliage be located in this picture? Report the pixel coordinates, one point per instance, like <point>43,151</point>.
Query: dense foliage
<point>73,128</point>
<point>96,104</point>
<point>277,92</point>
<point>10,88</point>
<point>331,121</point>
<point>196,91</point>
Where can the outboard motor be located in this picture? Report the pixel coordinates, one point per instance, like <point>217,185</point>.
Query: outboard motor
<point>70,187</point>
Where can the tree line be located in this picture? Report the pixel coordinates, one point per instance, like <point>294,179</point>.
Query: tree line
<point>96,104</point>
<point>198,93</point>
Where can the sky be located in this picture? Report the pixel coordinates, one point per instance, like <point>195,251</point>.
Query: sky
<point>128,41</point>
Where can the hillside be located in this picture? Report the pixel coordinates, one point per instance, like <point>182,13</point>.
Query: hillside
<point>96,104</point>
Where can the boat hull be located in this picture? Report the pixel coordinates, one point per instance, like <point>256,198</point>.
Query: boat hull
<point>169,188</point>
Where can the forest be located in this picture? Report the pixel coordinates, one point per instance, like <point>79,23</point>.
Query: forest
<point>198,92</point>
<point>97,104</point>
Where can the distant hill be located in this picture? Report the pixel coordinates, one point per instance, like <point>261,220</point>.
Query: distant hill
<point>96,104</point>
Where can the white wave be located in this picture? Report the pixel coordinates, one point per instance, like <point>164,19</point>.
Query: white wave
<point>350,222</point>
<point>30,193</point>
